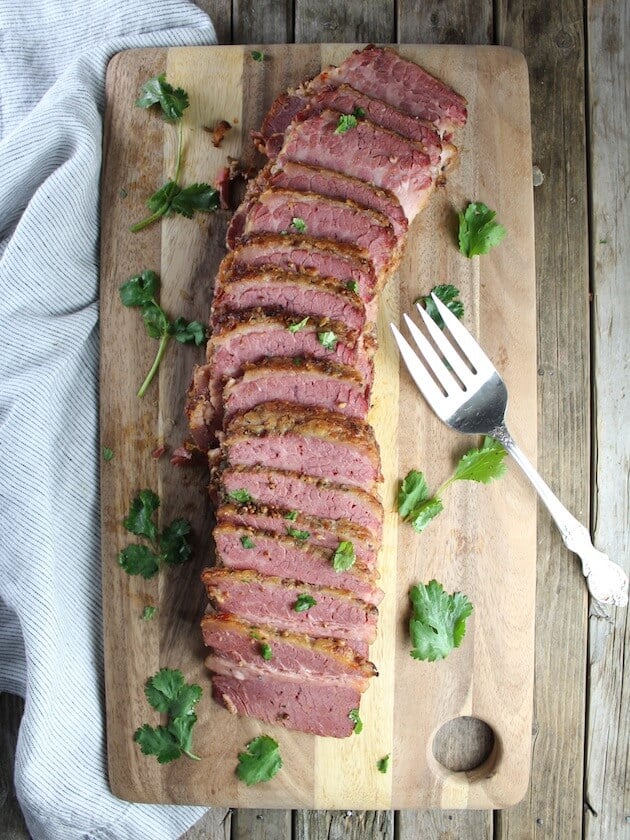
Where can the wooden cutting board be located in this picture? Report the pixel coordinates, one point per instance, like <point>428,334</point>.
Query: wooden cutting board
<point>484,543</point>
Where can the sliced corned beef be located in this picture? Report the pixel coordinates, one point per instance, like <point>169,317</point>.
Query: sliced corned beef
<point>290,556</point>
<point>314,179</point>
<point>291,291</point>
<point>323,533</point>
<point>283,110</point>
<point>283,211</point>
<point>310,441</point>
<point>294,655</point>
<point>199,410</point>
<point>270,601</point>
<point>314,706</point>
<point>309,382</point>
<point>313,496</point>
<point>383,74</point>
<point>343,260</point>
<point>347,100</point>
<point>365,151</point>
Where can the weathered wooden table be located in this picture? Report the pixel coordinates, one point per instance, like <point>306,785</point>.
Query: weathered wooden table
<point>579,70</point>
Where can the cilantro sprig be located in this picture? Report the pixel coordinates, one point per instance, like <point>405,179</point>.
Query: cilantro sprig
<point>478,232</point>
<point>344,557</point>
<point>168,693</point>
<point>417,506</point>
<point>172,197</point>
<point>260,761</point>
<point>438,620</point>
<point>449,295</point>
<point>354,716</point>
<point>170,546</point>
<point>141,291</point>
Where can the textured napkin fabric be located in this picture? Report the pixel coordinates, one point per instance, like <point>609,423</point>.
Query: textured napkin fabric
<point>53,55</point>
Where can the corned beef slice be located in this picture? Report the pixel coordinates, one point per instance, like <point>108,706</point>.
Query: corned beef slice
<point>343,260</point>
<point>347,100</point>
<point>296,292</point>
<point>326,218</point>
<point>365,151</point>
<point>290,557</point>
<point>295,655</point>
<point>304,178</point>
<point>383,74</point>
<point>313,496</point>
<point>310,441</point>
<point>313,706</point>
<point>269,601</point>
<point>308,382</point>
<point>322,532</point>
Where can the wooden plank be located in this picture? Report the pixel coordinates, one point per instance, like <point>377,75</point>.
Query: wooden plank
<point>11,819</point>
<point>344,825</point>
<point>254,824</point>
<point>220,12</point>
<point>465,22</point>
<point>552,38</point>
<point>351,22</point>
<point>439,22</point>
<point>607,812</point>
<point>263,22</point>
<point>490,676</point>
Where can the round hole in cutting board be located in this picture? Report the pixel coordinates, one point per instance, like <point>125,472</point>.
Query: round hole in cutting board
<point>463,744</point>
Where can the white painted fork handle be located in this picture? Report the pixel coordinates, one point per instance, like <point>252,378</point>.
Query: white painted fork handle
<point>607,582</point>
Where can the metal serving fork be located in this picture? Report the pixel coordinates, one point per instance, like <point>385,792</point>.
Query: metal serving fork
<point>476,405</point>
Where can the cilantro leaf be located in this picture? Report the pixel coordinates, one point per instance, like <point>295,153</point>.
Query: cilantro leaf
<point>107,454</point>
<point>421,515</point>
<point>140,289</point>
<point>298,224</point>
<point>260,761</point>
<point>266,651</point>
<point>247,542</point>
<point>149,612</point>
<point>197,197</point>
<point>158,741</point>
<point>160,201</point>
<point>293,328</point>
<point>353,714</point>
<point>327,339</point>
<point>162,689</point>
<point>478,232</point>
<point>240,496</point>
<point>304,602</point>
<point>359,113</point>
<point>298,535</point>
<point>382,764</point>
<point>155,320</point>
<point>188,332</point>
<point>344,556</point>
<point>139,560</point>
<point>139,520</point>
<point>449,296</point>
<point>169,693</point>
<point>257,55</point>
<point>172,101</point>
<point>483,464</point>
<point>174,546</point>
<point>412,491</point>
<point>345,123</point>
<point>353,286</point>
<point>438,620</point>
<point>292,515</point>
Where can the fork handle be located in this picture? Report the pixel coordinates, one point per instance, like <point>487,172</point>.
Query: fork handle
<point>607,582</point>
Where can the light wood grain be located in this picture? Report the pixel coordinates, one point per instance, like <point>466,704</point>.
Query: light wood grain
<point>552,37</point>
<point>607,791</point>
<point>487,534</point>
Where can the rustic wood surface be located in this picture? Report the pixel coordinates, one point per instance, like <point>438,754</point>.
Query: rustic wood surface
<point>562,802</point>
<point>485,534</point>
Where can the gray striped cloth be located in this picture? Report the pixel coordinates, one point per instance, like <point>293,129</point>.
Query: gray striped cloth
<point>53,55</point>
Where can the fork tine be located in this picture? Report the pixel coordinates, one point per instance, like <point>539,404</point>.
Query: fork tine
<point>419,374</point>
<point>441,372</point>
<point>464,339</point>
<point>462,371</point>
